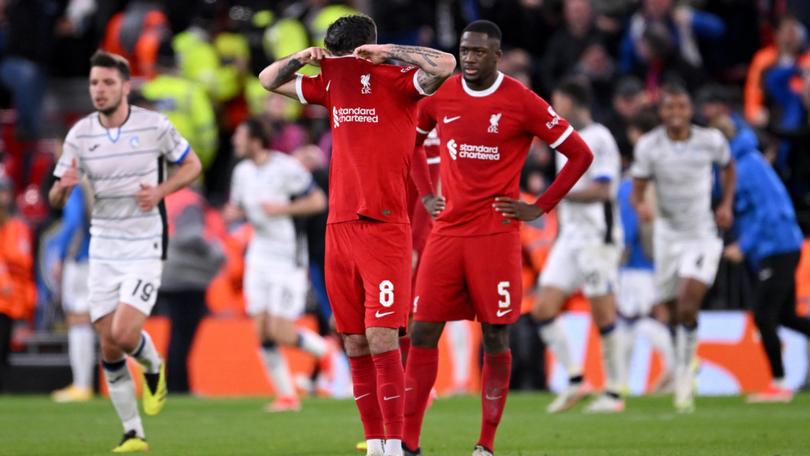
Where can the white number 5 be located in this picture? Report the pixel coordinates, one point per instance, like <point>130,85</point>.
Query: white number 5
<point>386,293</point>
<point>503,291</point>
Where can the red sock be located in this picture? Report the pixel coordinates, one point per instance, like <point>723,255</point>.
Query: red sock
<point>364,378</point>
<point>423,365</point>
<point>404,348</point>
<point>391,391</point>
<point>494,389</point>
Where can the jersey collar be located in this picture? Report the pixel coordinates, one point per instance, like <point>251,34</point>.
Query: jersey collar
<point>483,93</point>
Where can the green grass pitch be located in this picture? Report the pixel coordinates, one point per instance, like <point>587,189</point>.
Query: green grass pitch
<point>33,425</point>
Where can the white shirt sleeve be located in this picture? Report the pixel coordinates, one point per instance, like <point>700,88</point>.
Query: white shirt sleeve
<point>642,166</point>
<point>172,145</point>
<point>606,162</point>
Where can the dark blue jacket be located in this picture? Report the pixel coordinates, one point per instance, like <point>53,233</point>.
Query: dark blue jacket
<point>764,219</point>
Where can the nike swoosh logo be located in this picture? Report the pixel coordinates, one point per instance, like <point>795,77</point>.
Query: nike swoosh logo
<point>501,313</point>
<point>388,398</point>
<point>328,84</point>
<point>357,398</point>
<point>380,315</point>
<point>492,398</point>
<point>408,389</point>
<point>447,120</point>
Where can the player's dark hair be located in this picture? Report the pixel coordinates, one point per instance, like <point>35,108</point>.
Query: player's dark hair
<point>578,90</point>
<point>674,87</point>
<point>488,28</point>
<point>645,120</point>
<point>350,32</point>
<point>110,60</point>
<point>256,129</point>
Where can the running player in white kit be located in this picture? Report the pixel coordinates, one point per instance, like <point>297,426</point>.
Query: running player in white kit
<point>123,150</point>
<point>268,188</point>
<point>585,255</point>
<point>677,158</point>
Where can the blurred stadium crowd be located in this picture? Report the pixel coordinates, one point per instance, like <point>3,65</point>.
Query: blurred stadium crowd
<point>197,61</point>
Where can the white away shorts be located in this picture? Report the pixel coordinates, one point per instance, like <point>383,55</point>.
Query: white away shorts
<point>592,267</point>
<point>134,282</point>
<point>677,259</point>
<point>279,291</point>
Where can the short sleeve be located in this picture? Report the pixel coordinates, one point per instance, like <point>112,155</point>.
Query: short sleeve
<point>171,144</point>
<point>543,122</point>
<point>299,180</point>
<point>642,166</point>
<point>606,162</point>
<point>407,82</point>
<point>70,152</point>
<point>721,150</point>
<point>311,89</point>
<point>426,118</point>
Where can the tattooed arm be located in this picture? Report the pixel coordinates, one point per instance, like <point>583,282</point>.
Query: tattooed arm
<point>434,66</point>
<point>279,76</point>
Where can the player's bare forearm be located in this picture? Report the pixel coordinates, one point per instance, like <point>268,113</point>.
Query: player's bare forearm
<point>729,182</point>
<point>280,72</point>
<point>313,203</point>
<point>58,195</point>
<point>187,172</point>
<point>594,192</point>
<point>638,192</point>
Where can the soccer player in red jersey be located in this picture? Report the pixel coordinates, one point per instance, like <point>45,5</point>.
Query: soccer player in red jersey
<point>372,108</point>
<point>471,267</point>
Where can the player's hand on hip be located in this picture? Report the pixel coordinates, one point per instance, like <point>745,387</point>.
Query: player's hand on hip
<point>148,197</point>
<point>434,204</point>
<point>312,56</point>
<point>375,53</point>
<point>724,217</point>
<point>516,209</point>
<point>70,178</point>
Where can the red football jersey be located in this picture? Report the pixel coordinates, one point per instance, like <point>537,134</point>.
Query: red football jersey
<point>485,138</point>
<point>373,115</point>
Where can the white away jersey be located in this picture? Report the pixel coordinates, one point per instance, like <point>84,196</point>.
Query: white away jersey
<point>596,221</point>
<point>117,161</point>
<point>276,181</point>
<point>682,174</point>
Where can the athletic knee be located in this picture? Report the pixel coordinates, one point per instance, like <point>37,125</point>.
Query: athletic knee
<point>355,345</point>
<point>426,335</point>
<point>495,338</point>
<point>126,339</point>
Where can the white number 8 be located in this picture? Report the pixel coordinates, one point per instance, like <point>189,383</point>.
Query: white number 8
<point>503,291</point>
<point>386,293</point>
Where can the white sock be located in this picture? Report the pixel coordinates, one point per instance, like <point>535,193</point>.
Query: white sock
<point>685,347</point>
<point>393,447</point>
<point>374,446</point>
<point>279,372</point>
<point>459,334</point>
<point>554,337</point>
<point>122,395</point>
<point>147,354</point>
<point>311,343</point>
<point>779,382</point>
<point>659,337</point>
<point>627,329</point>
<point>81,351</point>
<point>612,359</point>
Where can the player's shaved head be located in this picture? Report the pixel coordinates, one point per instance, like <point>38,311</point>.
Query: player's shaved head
<point>479,52</point>
<point>350,32</point>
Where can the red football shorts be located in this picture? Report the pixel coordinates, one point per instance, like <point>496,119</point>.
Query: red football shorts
<point>468,278</point>
<point>368,274</point>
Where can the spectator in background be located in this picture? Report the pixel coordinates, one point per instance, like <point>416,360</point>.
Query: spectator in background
<point>682,25</point>
<point>193,260</point>
<point>576,46</point>
<point>285,135</point>
<point>629,99</point>
<point>789,48</point>
<point>136,34</point>
<point>17,292</point>
<point>185,103</point>
<point>73,241</point>
<point>768,238</point>
<point>660,62</point>
<point>29,37</point>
